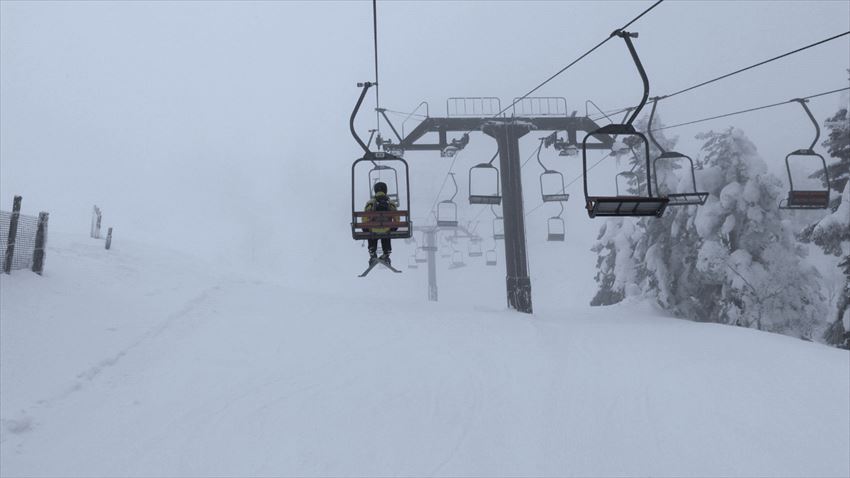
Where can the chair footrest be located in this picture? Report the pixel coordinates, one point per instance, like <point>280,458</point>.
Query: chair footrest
<point>624,206</point>
<point>687,199</point>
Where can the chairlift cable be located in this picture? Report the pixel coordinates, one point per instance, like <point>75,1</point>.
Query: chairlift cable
<point>749,110</point>
<point>562,70</point>
<point>377,85</point>
<point>755,65</point>
<point>547,80</point>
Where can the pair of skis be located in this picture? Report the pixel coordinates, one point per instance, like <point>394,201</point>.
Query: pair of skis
<point>382,262</point>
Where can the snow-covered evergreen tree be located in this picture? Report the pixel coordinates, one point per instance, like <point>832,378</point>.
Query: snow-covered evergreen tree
<point>620,266</point>
<point>745,248</point>
<point>832,233</point>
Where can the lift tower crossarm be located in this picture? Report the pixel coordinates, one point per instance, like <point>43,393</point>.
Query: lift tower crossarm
<point>464,124</point>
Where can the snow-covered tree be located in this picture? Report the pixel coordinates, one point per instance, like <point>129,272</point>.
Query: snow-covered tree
<point>837,145</point>
<point>745,248</point>
<point>615,263</point>
<point>832,233</point>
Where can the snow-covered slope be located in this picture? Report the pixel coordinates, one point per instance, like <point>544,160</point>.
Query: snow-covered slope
<point>140,361</point>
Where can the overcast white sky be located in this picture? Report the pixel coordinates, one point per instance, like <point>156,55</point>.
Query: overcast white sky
<point>222,123</point>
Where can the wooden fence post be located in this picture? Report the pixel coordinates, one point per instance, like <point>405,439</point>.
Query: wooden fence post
<point>40,243</point>
<point>13,233</point>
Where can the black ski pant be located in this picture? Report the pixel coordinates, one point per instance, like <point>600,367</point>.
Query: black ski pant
<point>386,246</point>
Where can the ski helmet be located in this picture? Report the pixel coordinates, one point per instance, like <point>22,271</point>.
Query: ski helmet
<point>380,187</point>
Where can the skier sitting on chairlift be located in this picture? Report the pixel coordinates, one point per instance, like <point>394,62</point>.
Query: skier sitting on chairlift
<point>380,202</point>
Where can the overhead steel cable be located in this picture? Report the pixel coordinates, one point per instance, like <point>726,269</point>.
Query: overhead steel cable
<point>375,42</point>
<point>552,77</point>
<point>741,70</point>
<point>588,52</point>
<point>748,110</point>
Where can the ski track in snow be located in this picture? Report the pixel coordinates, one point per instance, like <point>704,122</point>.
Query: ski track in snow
<point>250,377</point>
<point>86,377</point>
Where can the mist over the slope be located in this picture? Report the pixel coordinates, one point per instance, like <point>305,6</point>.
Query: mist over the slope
<point>222,128</point>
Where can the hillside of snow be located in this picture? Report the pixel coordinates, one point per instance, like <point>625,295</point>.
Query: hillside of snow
<point>141,361</point>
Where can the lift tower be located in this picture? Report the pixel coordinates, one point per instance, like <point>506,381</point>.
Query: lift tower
<point>484,114</point>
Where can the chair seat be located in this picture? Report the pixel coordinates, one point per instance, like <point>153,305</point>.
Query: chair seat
<point>555,197</point>
<point>624,206</point>
<point>446,223</point>
<point>483,199</point>
<point>554,236</point>
<point>807,200</point>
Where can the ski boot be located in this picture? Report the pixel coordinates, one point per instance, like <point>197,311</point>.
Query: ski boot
<point>385,258</point>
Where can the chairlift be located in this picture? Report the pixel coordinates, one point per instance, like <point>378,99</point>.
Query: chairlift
<point>556,228</point>
<point>693,197</point>
<point>457,260</point>
<point>419,256</point>
<point>445,252</point>
<point>498,225</point>
<point>815,198</point>
<point>484,174</point>
<point>447,209</point>
<point>556,189</point>
<point>601,206</point>
<point>378,224</point>
<point>490,258</point>
<point>412,263</point>
<point>474,249</point>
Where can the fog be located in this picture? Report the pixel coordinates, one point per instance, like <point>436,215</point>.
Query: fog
<point>222,128</point>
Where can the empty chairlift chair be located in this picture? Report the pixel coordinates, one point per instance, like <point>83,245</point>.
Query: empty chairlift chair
<point>686,198</point>
<point>806,163</point>
<point>619,205</point>
<point>484,183</point>
<point>420,256</point>
<point>457,260</point>
<point>552,186</point>
<point>556,228</point>
<point>498,225</point>
<point>490,258</point>
<point>411,263</point>
<point>474,248</point>
<point>447,209</point>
